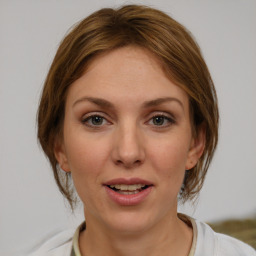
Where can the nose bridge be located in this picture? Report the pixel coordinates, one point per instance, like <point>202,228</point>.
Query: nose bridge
<point>128,149</point>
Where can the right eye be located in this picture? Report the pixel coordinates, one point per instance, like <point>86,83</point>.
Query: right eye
<point>94,121</point>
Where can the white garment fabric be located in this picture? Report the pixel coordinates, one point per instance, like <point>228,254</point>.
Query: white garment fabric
<point>58,245</point>
<point>208,243</point>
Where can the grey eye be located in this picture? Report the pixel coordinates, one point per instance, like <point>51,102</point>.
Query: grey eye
<point>161,121</point>
<point>97,120</point>
<point>94,120</point>
<point>158,120</point>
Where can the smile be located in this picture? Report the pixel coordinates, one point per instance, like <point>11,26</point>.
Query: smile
<point>128,189</point>
<point>128,192</point>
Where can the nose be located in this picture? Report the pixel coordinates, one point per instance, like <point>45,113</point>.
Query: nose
<point>128,148</point>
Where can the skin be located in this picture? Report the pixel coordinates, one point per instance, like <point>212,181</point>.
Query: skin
<point>127,141</point>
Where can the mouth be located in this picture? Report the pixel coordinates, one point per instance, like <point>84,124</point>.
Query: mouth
<point>125,189</point>
<point>128,192</point>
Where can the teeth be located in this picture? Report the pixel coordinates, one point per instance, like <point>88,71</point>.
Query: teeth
<point>128,192</point>
<point>125,187</point>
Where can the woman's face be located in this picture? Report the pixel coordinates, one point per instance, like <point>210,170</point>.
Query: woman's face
<point>127,141</point>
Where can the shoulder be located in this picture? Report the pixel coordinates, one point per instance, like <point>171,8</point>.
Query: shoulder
<point>58,245</point>
<point>215,244</point>
<point>231,246</point>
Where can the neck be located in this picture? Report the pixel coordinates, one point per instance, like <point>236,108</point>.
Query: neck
<point>171,236</point>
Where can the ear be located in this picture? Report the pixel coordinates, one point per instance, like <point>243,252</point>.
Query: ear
<point>60,154</point>
<point>196,147</point>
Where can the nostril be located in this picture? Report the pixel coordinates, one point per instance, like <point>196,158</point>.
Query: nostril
<point>128,163</point>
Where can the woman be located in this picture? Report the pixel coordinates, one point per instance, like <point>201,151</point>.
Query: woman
<point>129,111</point>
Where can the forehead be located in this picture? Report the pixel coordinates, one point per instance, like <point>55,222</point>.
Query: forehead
<point>126,74</point>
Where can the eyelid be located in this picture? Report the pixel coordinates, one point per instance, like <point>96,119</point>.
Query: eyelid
<point>95,113</point>
<point>163,114</point>
<point>87,117</point>
<point>168,116</point>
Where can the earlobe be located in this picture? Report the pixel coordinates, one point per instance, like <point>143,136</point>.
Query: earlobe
<point>60,155</point>
<point>196,148</point>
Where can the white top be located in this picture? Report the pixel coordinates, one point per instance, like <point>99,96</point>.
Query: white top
<point>205,242</point>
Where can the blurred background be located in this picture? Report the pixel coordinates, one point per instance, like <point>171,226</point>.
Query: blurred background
<point>31,208</point>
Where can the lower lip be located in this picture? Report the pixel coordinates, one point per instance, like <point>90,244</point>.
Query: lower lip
<point>128,200</point>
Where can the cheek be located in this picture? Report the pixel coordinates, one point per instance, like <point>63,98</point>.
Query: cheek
<point>86,157</point>
<point>169,161</point>
<point>169,156</point>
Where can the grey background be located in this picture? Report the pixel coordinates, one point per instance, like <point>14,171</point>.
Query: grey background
<point>31,208</point>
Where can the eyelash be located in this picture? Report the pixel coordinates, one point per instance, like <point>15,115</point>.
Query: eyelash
<point>168,119</point>
<point>89,119</point>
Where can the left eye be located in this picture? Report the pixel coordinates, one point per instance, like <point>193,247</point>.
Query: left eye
<point>161,120</point>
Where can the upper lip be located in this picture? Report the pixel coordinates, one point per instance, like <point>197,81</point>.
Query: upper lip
<point>127,181</point>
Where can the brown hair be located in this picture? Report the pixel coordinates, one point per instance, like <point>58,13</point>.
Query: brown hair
<point>151,29</point>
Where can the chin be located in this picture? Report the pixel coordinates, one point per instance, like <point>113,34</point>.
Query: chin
<point>130,222</point>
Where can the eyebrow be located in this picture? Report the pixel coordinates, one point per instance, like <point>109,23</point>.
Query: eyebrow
<point>159,101</point>
<point>106,104</point>
<point>98,101</point>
